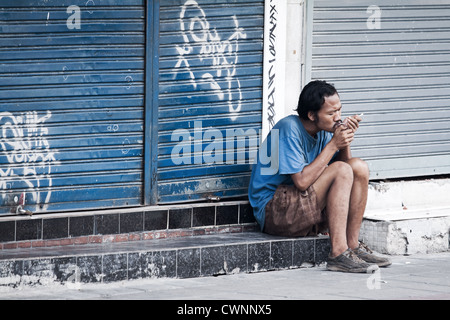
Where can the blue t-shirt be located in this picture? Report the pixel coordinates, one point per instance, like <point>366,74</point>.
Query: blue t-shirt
<point>287,149</point>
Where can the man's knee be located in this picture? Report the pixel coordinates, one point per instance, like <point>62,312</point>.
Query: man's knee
<point>342,170</point>
<point>359,167</point>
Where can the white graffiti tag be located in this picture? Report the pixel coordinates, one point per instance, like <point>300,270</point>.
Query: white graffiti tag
<point>205,45</point>
<point>26,158</point>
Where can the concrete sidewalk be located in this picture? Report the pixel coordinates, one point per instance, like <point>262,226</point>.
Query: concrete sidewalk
<point>420,276</point>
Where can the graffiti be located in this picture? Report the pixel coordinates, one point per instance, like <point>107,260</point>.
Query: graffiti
<point>271,72</point>
<point>26,159</point>
<point>205,44</point>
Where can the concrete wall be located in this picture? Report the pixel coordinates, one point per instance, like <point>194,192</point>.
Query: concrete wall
<point>408,217</point>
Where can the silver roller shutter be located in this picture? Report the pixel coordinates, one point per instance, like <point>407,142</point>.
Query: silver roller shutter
<point>391,61</point>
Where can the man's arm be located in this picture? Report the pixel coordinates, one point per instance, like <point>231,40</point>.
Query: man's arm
<point>344,154</point>
<point>341,141</point>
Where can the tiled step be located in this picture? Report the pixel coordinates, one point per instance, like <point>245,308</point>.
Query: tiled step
<point>184,257</point>
<point>141,223</point>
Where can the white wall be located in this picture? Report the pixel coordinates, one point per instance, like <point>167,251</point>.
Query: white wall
<point>283,59</point>
<point>294,54</point>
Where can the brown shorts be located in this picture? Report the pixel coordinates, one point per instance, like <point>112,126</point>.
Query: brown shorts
<point>293,213</point>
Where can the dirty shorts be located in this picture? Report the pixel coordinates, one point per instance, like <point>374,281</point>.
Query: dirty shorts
<point>293,213</point>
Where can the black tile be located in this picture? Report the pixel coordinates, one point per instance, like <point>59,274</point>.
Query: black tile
<point>281,254</point>
<point>163,264</point>
<point>159,264</point>
<point>227,215</point>
<point>258,256</point>
<point>131,222</point>
<point>7,269</point>
<point>322,249</point>
<point>203,216</point>
<point>155,220</point>
<point>30,229</point>
<point>81,226</point>
<point>38,271</point>
<point>188,263</point>
<point>66,270</point>
<point>304,251</point>
<point>13,271</point>
<point>236,258</point>
<point>138,264</point>
<point>106,224</point>
<point>55,228</point>
<point>180,218</point>
<point>115,267</point>
<point>7,231</point>
<point>213,261</point>
<point>90,268</point>
<point>246,214</point>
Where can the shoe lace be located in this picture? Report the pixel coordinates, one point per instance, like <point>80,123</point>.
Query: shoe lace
<point>352,255</point>
<point>364,247</point>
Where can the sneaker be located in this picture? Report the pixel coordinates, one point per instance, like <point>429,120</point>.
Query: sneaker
<point>349,262</point>
<point>364,253</point>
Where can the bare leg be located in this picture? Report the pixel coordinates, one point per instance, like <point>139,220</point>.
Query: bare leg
<point>333,189</point>
<point>358,200</point>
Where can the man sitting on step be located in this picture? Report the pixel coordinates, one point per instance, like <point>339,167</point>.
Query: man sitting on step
<point>316,180</point>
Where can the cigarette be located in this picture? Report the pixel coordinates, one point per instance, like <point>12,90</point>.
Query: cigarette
<point>361,114</point>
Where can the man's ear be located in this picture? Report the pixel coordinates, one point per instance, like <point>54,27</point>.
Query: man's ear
<point>311,116</point>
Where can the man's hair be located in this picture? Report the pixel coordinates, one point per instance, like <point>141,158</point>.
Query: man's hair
<point>313,97</point>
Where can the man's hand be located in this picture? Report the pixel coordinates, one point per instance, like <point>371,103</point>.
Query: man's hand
<point>343,137</point>
<point>352,122</point>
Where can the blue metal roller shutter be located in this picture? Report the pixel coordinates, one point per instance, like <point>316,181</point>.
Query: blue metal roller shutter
<point>71,104</point>
<point>210,88</point>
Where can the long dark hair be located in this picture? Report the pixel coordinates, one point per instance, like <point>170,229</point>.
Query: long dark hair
<point>313,97</point>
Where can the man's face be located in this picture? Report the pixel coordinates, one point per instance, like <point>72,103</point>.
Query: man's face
<point>330,114</point>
